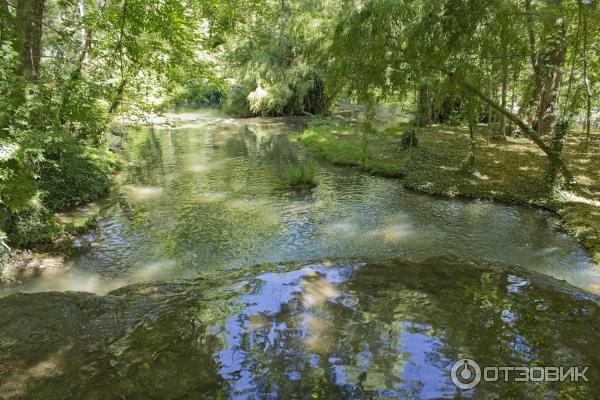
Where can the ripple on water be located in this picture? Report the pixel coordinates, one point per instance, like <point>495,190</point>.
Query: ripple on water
<point>210,197</point>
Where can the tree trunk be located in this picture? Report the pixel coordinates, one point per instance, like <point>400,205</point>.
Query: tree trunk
<point>6,21</point>
<point>566,106</point>
<point>28,43</point>
<point>118,99</point>
<point>513,98</point>
<point>75,76</point>
<point>503,98</point>
<point>549,71</point>
<point>529,103</point>
<point>423,106</point>
<point>557,167</point>
<point>469,163</point>
<point>588,88</point>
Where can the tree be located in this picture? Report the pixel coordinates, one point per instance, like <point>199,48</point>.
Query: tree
<point>388,46</point>
<point>277,59</point>
<point>28,37</point>
<point>67,67</point>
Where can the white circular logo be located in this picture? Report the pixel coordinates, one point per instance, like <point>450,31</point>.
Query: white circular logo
<point>465,374</point>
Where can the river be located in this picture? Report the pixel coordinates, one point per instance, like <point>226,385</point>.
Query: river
<point>358,288</point>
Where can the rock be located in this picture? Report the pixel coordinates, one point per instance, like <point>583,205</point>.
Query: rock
<point>118,132</point>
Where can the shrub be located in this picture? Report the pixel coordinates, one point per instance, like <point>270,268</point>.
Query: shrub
<point>195,94</point>
<point>236,103</point>
<point>76,176</point>
<point>409,139</point>
<point>301,176</point>
<point>34,226</point>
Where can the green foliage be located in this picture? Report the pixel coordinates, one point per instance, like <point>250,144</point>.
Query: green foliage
<point>98,60</point>
<point>76,176</point>
<point>195,95</point>
<point>409,139</point>
<point>301,175</point>
<point>279,59</point>
<point>236,102</point>
<point>34,226</point>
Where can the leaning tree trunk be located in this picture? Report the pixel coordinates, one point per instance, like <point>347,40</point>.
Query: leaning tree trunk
<point>558,173</point>
<point>28,43</point>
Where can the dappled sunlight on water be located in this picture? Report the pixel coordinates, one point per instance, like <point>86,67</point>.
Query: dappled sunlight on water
<point>142,193</point>
<point>210,194</point>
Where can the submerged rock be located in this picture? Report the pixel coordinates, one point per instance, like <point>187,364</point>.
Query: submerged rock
<point>390,328</point>
<point>81,345</point>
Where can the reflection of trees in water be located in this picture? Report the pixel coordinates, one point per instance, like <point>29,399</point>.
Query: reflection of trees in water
<point>482,314</point>
<point>260,142</point>
<point>396,329</point>
<point>146,159</point>
<point>387,330</point>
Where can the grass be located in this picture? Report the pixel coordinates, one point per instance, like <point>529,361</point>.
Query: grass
<point>510,172</point>
<point>301,176</point>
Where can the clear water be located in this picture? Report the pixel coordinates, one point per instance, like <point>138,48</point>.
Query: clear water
<point>384,329</point>
<point>209,195</point>
<point>404,284</point>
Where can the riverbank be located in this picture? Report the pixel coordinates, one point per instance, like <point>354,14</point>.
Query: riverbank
<point>509,172</point>
<point>52,224</point>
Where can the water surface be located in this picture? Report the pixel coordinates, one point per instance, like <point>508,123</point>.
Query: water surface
<point>356,289</point>
<point>209,194</point>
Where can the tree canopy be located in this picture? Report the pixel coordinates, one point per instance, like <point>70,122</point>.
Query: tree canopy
<point>69,67</point>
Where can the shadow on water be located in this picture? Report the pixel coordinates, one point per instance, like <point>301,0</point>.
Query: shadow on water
<point>385,329</point>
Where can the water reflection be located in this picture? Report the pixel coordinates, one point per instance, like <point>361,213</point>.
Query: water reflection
<point>385,329</point>
<point>394,330</point>
<point>208,195</point>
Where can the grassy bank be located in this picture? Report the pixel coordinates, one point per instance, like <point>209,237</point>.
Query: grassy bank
<point>511,171</point>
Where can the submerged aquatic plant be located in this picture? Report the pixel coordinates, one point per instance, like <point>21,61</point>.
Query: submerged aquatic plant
<point>301,175</point>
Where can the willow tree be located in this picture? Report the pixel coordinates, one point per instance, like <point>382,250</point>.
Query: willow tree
<point>277,58</point>
<point>390,46</point>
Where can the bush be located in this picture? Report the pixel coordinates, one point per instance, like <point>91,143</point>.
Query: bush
<point>236,103</point>
<point>34,226</point>
<point>195,94</point>
<point>77,176</point>
<point>409,139</point>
